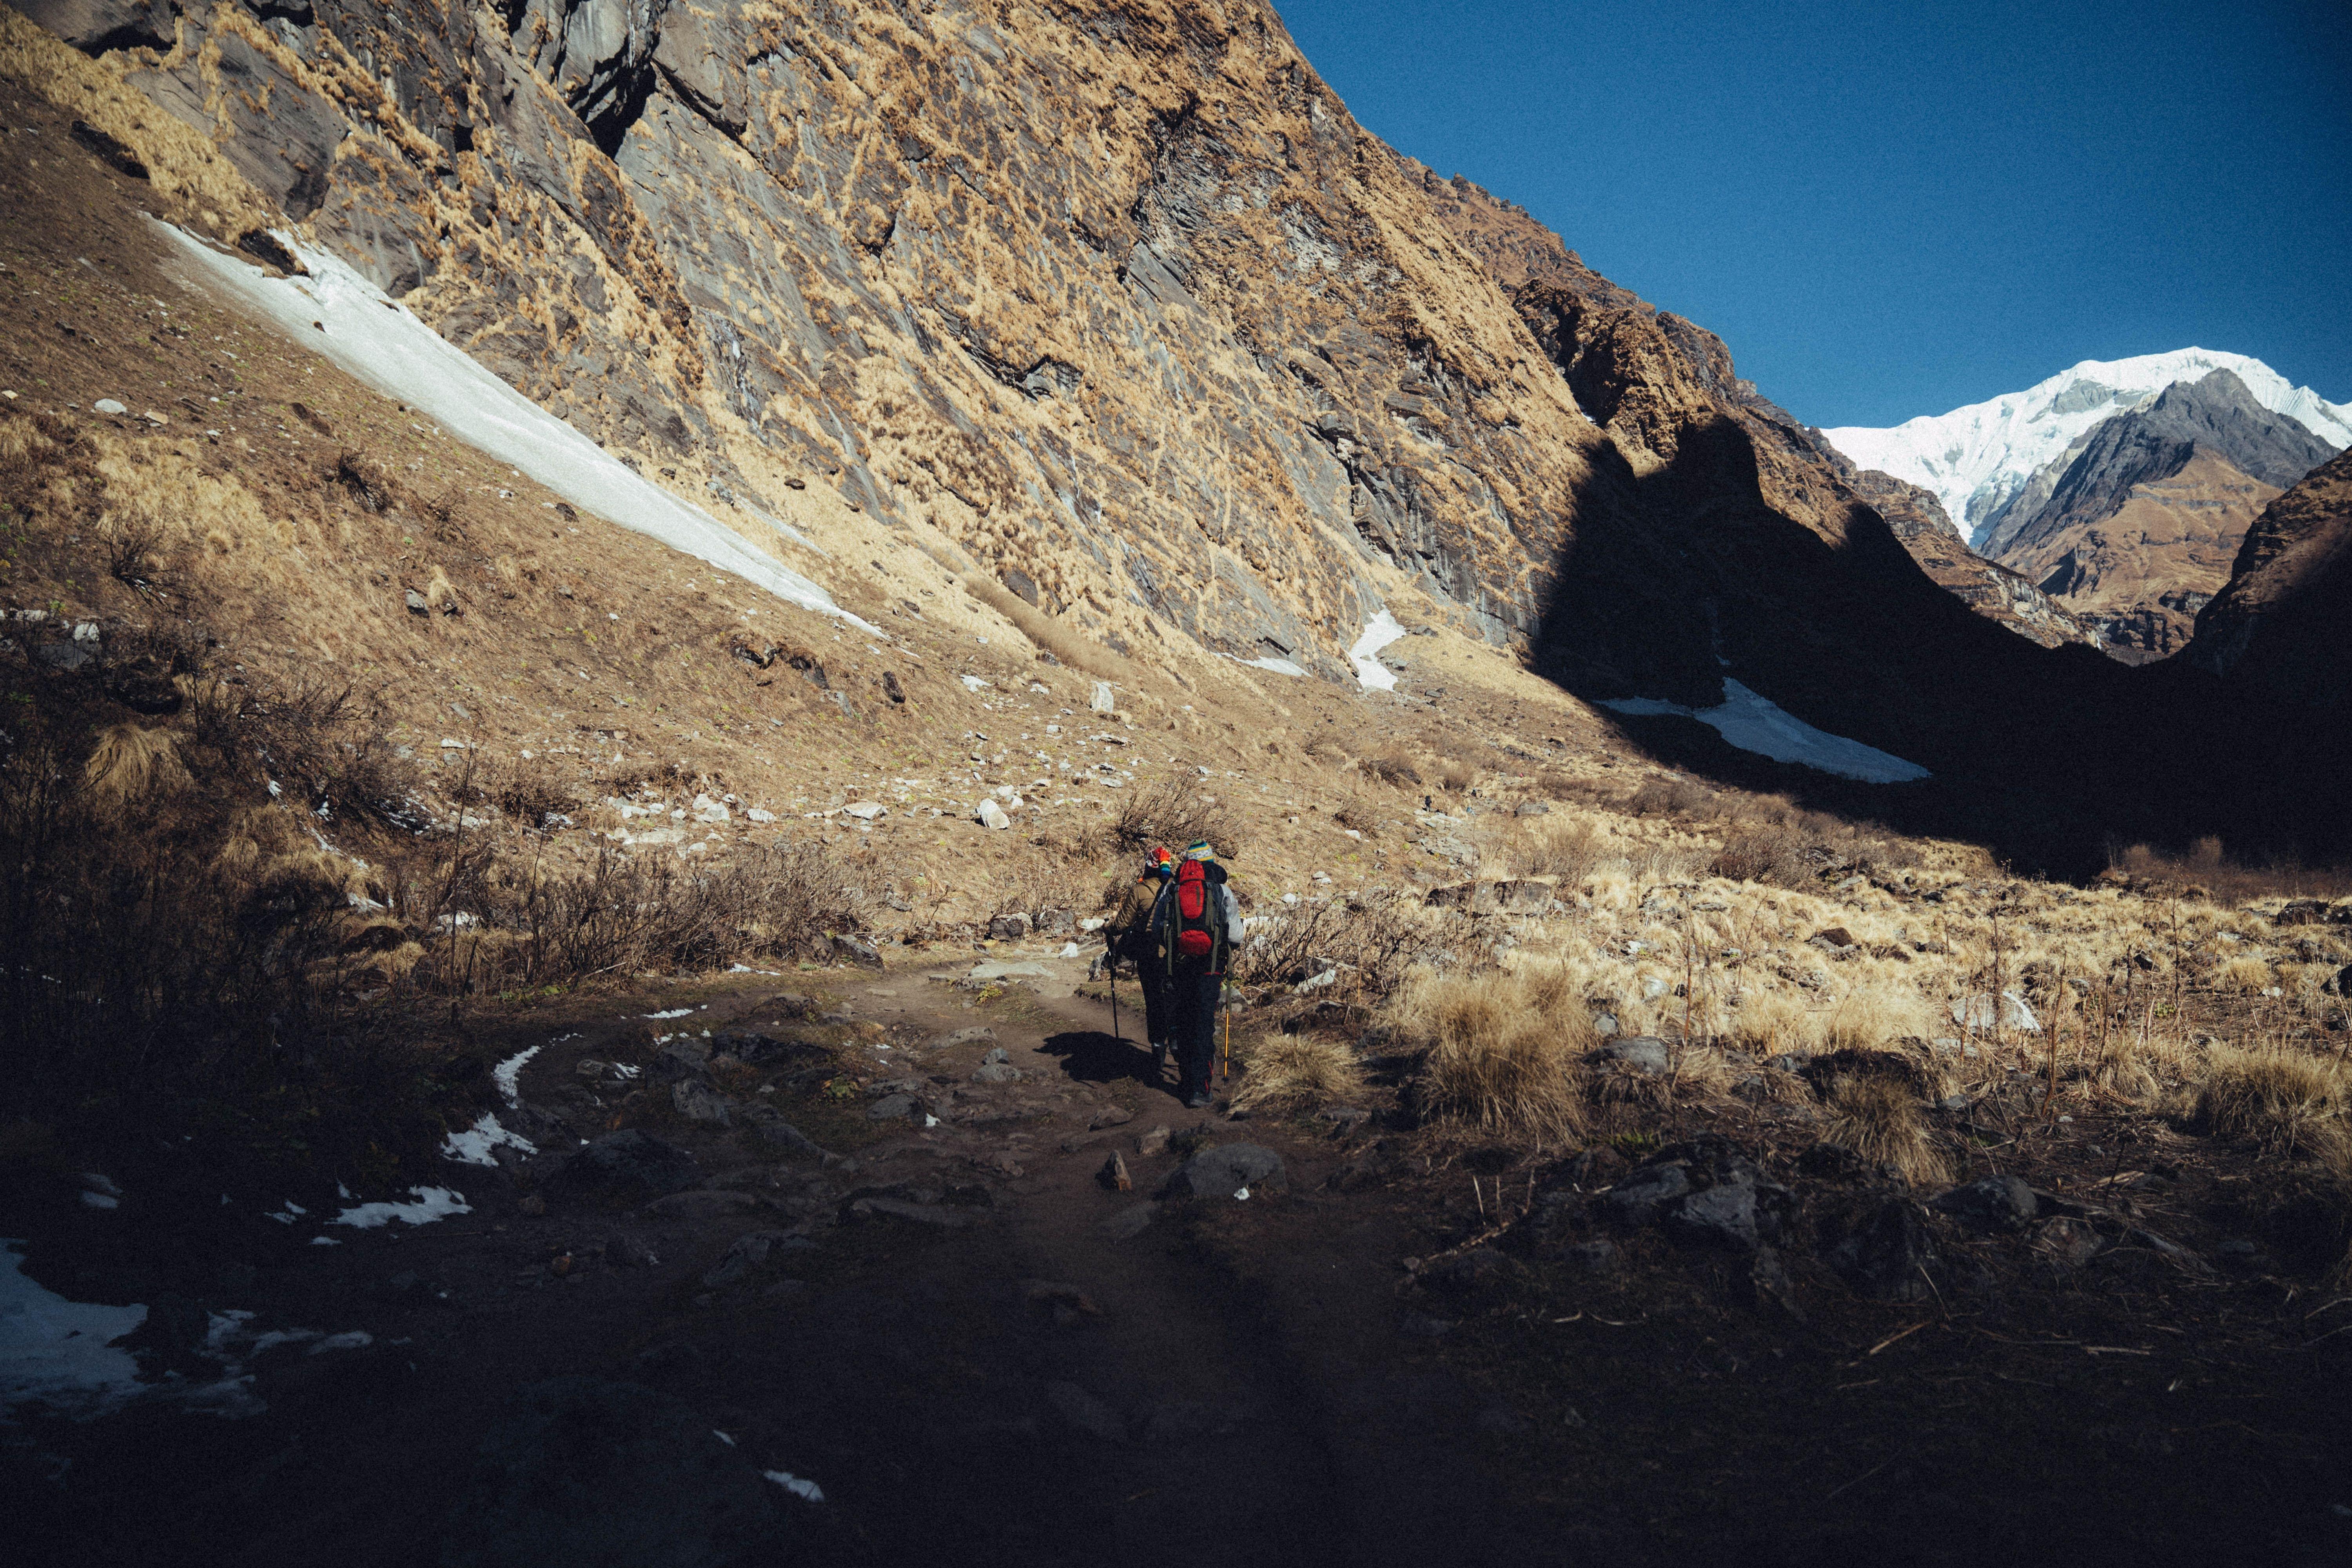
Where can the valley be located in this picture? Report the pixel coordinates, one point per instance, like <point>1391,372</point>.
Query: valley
<point>602,602</point>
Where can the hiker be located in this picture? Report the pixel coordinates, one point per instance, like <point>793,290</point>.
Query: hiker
<point>1195,925</point>
<point>1127,935</point>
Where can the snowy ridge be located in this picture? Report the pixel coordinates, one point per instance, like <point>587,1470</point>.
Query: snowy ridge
<point>1975,458</point>
<point>351,323</point>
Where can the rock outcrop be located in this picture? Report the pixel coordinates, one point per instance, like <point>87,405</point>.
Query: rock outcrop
<point>2278,626</point>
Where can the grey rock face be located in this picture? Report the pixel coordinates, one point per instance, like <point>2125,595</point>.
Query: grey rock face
<point>1643,1053</point>
<point>1997,1202</point>
<point>628,1163</point>
<point>697,1102</point>
<point>1636,1200</point>
<point>1887,1256</point>
<point>584,1473</point>
<point>1723,1217</point>
<point>1227,1170</point>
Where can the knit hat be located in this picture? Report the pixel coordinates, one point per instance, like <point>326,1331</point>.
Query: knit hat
<point>1200,850</point>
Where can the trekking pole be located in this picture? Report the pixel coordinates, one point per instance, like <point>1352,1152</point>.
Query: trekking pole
<point>1113,972</point>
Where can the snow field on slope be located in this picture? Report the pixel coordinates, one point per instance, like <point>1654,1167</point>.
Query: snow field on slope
<point>1756,723</point>
<point>387,346</point>
<point>58,1351</point>
<point>1985,452</point>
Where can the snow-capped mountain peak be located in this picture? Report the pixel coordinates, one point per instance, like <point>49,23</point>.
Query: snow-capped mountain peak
<point>1975,458</point>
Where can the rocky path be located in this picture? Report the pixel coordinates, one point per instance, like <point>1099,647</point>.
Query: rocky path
<point>651,1347</point>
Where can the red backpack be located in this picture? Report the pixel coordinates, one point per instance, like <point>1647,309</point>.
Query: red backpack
<point>1198,924</point>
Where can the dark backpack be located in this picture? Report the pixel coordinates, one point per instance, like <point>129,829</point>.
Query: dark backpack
<point>1196,925</point>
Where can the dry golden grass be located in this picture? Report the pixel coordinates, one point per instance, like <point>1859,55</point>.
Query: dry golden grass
<point>2275,1096</point>
<point>1873,1015</point>
<point>1298,1072</point>
<point>1878,1117</point>
<point>1504,1050</point>
<point>129,765</point>
<point>1560,847</point>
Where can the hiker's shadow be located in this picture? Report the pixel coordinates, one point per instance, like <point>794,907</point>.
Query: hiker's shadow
<point>1091,1056</point>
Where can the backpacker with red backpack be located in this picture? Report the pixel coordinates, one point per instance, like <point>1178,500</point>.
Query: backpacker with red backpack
<point>1196,923</point>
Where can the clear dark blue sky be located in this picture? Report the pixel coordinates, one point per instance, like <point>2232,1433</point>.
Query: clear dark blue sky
<point>1894,209</point>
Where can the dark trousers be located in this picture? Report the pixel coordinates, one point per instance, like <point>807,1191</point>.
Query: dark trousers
<point>1155,1002</point>
<point>1192,1006</point>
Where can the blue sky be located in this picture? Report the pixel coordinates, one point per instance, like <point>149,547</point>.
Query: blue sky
<point>1890,210</point>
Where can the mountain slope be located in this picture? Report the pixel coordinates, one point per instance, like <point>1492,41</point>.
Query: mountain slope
<point>2137,530</point>
<point>1977,459</point>
<point>2279,625</point>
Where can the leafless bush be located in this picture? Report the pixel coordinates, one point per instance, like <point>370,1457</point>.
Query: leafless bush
<point>1566,848</point>
<point>1763,853</point>
<point>2207,865</point>
<point>1391,766</point>
<point>541,925</point>
<point>529,791</point>
<point>1172,811</point>
<point>1375,944</point>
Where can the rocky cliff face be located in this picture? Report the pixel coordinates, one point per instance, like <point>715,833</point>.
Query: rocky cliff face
<point>1114,303</point>
<point>2133,527</point>
<point>2279,625</point>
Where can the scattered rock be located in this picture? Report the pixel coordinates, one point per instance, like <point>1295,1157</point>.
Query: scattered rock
<point>2003,1202</point>
<point>702,1203</point>
<point>1154,1141</point>
<point>1837,942</point>
<point>1769,1285</point>
<point>890,1108</point>
<point>1229,1170</point>
<point>996,1072</point>
<point>1643,1053</point>
<point>416,602</point>
<point>858,951</point>
<point>1976,1013</point>
<point>1110,1116</point>
<point>108,405</point>
<point>1634,1202</point>
<point>992,815</point>
<point>1131,1221</point>
<point>1531,808</point>
<point>747,1252</point>
<point>625,1163</point>
<point>961,1038</point>
<point>1114,1175</point>
<point>625,1251</point>
<point>1887,1256</point>
<point>945,1218</point>
<point>583,1471</point>
<point>1723,1217</point>
<point>1009,928</point>
<point>2063,1247</point>
<point>697,1102</point>
<point>770,1128</point>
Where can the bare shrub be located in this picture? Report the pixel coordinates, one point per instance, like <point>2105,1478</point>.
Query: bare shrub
<point>1564,848</point>
<point>1877,1116</point>
<point>1672,797</point>
<point>1391,766</point>
<point>1298,1072</point>
<point>530,792</point>
<point>2208,867</point>
<point>1503,1051</point>
<point>1454,776</point>
<point>1373,943</point>
<point>1172,811</point>
<point>1766,852</point>
<point>131,764</point>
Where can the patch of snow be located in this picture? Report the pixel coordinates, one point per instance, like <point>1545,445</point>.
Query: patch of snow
<point>1977,458</point>
<point>432,1203</point>
<point>351,1340</point>
<point>59,1352</point>
<point>809,1491</point>
<point>973,682</point>
<point>101,1200</point>
<point>1379,632</point>
<point>385,345</point>
<point>324,1241</point>
<point>1279,666</point>
<point>287,1215</point>
<point>673,1013</point>
<point>1756,723</point>
<point>508,1073</point>
<point>472,1145</point>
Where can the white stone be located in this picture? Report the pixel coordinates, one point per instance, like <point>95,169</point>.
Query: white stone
<point>1103,701</point>
<point>993,815</point>
<point>108,406</point>
<point>865,810</point>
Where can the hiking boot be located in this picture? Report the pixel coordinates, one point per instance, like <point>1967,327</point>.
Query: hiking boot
<point>1197,1100</point>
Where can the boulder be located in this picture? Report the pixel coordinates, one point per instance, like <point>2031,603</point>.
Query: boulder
<point>768,1124</point>
<point>2001,1202</point>
<point>1644,1054</point>
<point>1009,928</point>
<point>630,1163</point>
<point>1227,1172</point>
<point>1635,1201</point>
<point>586,1473</point>
<point>1531,808</point>
<point>1976,1013</point>
<point>697,1102</point>
<point>857,950</point>
<point>1887,1255</point>
<point>992,815</point>
<point>1722,1216</point>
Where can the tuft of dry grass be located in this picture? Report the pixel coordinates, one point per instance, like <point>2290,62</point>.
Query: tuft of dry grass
<point>129,765</point>
<point>1298,1072</point>
<point>2275,1096</point>
<point>1391,766</point>
<point>1563,847</point>
<point>1877,1116</point>
<point>1504,1050</point>
<point>1872,1015</point>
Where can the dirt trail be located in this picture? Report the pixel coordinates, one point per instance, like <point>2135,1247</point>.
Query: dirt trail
<point>978,1350</point>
